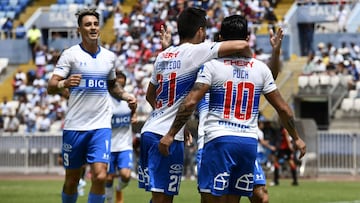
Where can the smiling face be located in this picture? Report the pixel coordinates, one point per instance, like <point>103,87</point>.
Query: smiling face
<point>89,29</point>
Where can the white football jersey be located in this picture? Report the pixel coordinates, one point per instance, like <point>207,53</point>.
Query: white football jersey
<point>236,87</point>
<point>121,138</point>
<point>203,109</point>
<point>89,104</point>
<point>174,75</point>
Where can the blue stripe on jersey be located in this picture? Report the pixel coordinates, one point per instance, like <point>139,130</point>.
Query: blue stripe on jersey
<point>203,103</point>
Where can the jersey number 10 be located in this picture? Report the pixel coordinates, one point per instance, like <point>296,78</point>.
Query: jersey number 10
<point>239,97</point>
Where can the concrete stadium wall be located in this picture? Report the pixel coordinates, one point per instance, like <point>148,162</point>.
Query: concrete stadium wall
<point>17,50</point>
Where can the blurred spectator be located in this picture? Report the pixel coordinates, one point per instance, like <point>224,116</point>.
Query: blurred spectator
<point>309,67</point>
<point>40,59</point>
<point>30,121</point>
<point>20,31</point>
<point>269,14</point>
<point>22,108</point>
<point>43,123</point>
<point>319,66</point>
<point>354,51</point>
<point>5,107</point>
<point>341,16</point>
<point>12,124</point>
<point>33,35</point>
<point>7,28</point>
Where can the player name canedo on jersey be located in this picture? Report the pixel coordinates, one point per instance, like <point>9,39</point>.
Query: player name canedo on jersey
<point>174,75</point>
<point>89,102</point>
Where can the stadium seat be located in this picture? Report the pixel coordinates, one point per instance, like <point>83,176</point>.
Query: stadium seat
<point>324,82</point>
<point>314,82</point>
<point>353,94</point>
<point>88,2</point>
<point>345,79</point>
<point>324,79</point>
<point>54,7</point>
<point>303,82</point>
<point>79,1</point>
<point>357,105</point>
<point>347,105</point>
<point>334,80</point>
<point>24,3</point>
<point>61,1</point>
<point>357,85</point>
<point>4,2</point>
<point>13,2</point>
<point>10,14</point>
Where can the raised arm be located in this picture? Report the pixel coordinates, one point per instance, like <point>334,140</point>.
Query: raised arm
<point>275,41</point>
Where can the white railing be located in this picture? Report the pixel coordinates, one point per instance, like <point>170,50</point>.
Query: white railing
<point>336,153</point>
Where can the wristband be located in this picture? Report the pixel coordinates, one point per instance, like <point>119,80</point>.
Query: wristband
<point>61,84</point>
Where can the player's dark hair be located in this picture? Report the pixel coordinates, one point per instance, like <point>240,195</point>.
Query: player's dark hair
<point>234,27</point>
<point>120,74</point>
<point>189,22</point>
<point>86,12</point>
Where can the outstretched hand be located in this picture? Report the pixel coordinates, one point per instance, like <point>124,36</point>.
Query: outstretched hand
<point>165,37</point>
<point>301,146</point>
<point>276,38</point>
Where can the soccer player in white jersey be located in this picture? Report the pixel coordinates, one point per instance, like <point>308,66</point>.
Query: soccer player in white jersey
<point>88,71</point>
<point>229,153</point>
<point>121,159</point>
<point>260,194</point>
<point>174,74</point>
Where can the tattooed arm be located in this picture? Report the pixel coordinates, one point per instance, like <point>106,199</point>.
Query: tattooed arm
<point>287,119</point>
<point>185,110</point>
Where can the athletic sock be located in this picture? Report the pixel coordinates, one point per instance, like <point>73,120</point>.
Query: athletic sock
<point>109,192</point>
<point>68,198</point>
<point>93,198</point>
<point>121,185</point>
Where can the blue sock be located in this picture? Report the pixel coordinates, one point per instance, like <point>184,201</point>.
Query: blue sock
<point>150,201</point>
<point>68,198</point>
<point>93,198</point>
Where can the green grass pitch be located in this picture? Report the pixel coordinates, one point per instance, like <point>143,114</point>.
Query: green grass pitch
<point>309,191</point>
